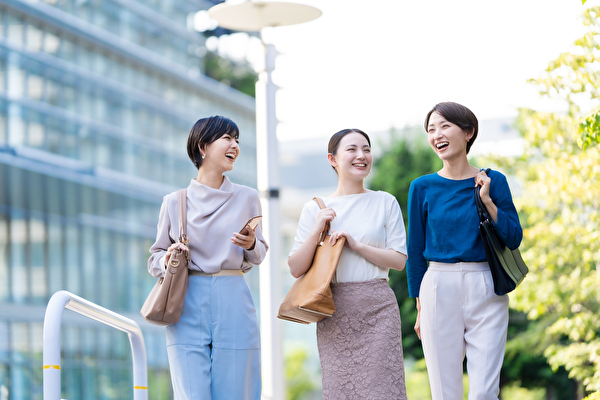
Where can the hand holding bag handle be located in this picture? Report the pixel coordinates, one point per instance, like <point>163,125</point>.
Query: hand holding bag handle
<point>310,298</point>
<point>507,266</point>
<point>165,302</point>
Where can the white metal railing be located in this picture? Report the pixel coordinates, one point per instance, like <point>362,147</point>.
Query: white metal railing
<point>51,341</point>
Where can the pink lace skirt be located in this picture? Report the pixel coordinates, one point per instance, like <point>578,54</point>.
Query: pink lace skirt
<point>360,346</point>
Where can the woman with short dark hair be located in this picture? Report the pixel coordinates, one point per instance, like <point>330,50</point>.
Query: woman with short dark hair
<point>214,349</point>
<point>360,345</point>
<point>448,273</point>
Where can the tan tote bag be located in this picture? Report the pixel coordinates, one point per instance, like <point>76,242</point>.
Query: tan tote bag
<point>310,299</point>
<point>165,302</point>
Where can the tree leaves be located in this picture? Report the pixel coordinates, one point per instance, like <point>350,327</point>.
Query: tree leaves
<point>560,208</point>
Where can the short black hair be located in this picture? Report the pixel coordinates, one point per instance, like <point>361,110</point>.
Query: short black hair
<point>207,130</point>
<point>459,115</point>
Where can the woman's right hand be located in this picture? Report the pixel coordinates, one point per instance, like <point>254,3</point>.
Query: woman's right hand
<point>299,261</point>
<point>418,323</point>
<point>325,215</point>
<point>177,245</point>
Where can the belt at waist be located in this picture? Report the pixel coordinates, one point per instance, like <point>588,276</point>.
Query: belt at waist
<point>223,272</point>
<point>459,266</point>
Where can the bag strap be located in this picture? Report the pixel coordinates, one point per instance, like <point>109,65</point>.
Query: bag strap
<point>484,215</point>
<point>326,227</point>
<point>182,205</point>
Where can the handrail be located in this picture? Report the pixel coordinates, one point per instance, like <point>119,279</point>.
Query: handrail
<point>51,341</point>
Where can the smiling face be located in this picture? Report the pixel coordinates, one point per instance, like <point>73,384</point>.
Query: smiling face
<point>448,140</point>
<point>221,154</point>
<point>203,138</point>
<point>352,158</point>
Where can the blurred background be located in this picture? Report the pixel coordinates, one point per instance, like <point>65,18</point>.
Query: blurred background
<point>97,98</point>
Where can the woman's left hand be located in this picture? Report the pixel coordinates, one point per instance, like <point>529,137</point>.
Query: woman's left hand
<point>481,179</point>
<point>350,242</point>
<point>245,240</point>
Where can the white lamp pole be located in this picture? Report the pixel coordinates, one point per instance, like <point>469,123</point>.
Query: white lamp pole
<point>254,16</point>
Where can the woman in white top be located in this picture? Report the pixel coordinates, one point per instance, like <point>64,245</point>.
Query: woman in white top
<point>214,349</point>
<point>360,346</point>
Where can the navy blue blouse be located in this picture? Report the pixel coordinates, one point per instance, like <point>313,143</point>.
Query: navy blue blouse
<point>443,224</point>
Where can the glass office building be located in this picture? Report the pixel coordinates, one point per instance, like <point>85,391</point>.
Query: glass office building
<point>96,100</point>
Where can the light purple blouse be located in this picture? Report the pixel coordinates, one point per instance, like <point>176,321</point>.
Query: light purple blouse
<point>212,217</point>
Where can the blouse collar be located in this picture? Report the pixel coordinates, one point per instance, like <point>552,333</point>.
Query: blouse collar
<point>210,199</point>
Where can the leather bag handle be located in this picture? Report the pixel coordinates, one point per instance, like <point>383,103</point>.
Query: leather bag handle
<point>182,206</point>
<point>325,231</point>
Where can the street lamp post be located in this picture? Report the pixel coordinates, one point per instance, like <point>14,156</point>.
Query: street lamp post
<point>253,17</point>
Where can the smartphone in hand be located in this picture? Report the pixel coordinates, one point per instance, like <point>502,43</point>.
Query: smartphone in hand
<point>251,224</point>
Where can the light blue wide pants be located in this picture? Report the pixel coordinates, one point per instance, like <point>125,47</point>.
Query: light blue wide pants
<point>214,349</point>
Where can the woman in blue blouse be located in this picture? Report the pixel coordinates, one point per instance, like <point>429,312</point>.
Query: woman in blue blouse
<point>448,273</point>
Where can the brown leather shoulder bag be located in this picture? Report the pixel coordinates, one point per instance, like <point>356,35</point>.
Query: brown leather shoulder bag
<point>165,302</point>
<point>310,299</point>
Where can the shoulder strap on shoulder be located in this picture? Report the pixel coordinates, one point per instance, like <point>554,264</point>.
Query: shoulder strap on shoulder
<point>326,227</point>
<point>319,202</point>
<point>481,210</point>
<point>182,211</point>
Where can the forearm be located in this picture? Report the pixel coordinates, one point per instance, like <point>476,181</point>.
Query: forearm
<point>156,263</point>
<point>491,208</point>
<point>299,261</point>
<point>384,258</point>
<point>506,221</point>
<point>257,254</point>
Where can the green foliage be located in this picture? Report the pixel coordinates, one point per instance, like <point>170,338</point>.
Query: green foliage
<point>515,391</point>
<point>297,379</point>
<point>407,157</point>
<point>239,77</point>
<point>525,365</point>
<point>417,380</point>
<point>560,210</point>
<point>593,396</point>
<point>575,77</point>
<point>589,127</point>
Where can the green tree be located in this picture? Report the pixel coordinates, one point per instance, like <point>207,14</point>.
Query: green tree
<point>239,76</point>
<point>560,207</point>
<point>575,77</point>
<point>405,159</point>
<point>299,382</point>
<point>526,366</point>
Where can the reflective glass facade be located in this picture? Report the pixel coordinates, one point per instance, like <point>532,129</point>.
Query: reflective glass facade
<point>96,100</point>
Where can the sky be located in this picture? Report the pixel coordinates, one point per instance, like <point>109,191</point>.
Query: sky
<point>381,63</point>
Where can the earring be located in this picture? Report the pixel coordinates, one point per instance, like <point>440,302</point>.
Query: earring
<point>203,156</point>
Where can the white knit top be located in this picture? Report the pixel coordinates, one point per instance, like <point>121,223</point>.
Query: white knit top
<point>373,218</point>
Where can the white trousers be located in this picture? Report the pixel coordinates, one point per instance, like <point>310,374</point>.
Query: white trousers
<point>461,314</point>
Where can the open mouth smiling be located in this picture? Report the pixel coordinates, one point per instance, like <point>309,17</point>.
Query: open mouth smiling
<point>442,145</point>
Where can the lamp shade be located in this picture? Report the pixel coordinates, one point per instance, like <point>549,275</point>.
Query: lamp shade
<point>253,16</point>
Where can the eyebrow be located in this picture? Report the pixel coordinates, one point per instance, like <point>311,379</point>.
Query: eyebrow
<point>432,124</point>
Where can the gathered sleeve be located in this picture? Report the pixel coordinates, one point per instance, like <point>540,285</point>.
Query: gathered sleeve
<point>416,264</point>
<point>394,227</point>
<point>507,224</point>
<point>306,222</point>
<point>156,263</point>
<point>259,252</point>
